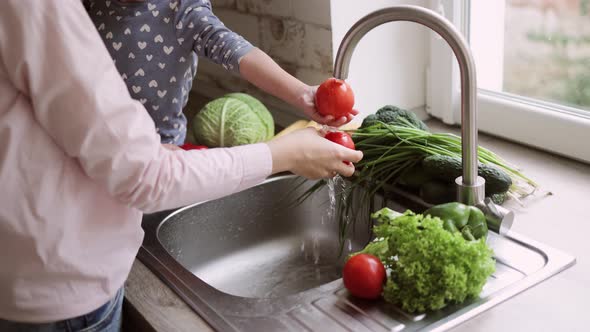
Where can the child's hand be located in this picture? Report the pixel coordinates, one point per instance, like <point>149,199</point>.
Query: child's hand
<point>308,105</point>
<point>259,69</point>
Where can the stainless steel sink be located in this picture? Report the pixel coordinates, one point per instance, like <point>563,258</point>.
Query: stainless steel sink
<point>256,245</point>
<point>254,262</point>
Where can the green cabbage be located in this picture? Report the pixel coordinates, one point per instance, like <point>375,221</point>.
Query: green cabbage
<point>234,119</point>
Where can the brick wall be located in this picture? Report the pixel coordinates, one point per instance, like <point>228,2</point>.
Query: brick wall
<point>295,33</point>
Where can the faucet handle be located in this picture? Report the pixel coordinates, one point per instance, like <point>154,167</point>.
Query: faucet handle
<point>498,218</point>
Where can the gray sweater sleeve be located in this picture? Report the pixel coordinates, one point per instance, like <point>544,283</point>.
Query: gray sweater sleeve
<point>211,38</point>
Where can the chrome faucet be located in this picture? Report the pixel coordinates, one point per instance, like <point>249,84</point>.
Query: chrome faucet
<point>470,187</point>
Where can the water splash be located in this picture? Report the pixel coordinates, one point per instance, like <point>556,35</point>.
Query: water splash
<point>316,249</point>
<point>336,187</point>
<point>336,191</point>
<point>331,197</point>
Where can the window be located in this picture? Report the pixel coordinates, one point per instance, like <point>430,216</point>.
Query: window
<point>541,48</point>
<point>533,71</point>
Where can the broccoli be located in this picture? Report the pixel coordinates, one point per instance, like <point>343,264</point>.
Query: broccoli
<point>391,114</point>
<point>369,120</point>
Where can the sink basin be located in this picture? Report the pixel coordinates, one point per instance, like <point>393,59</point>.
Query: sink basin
<point>256,244</point>
<point>253,261</point>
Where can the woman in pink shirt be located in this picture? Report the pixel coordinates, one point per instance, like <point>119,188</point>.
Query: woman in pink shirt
<point>80,162</point>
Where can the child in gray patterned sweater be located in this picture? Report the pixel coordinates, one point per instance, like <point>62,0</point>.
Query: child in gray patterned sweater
<point>155,45</point>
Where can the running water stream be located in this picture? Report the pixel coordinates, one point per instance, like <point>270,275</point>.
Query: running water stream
<point>336,191</point>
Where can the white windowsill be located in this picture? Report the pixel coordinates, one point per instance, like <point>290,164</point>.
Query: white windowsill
<point>555,130</point>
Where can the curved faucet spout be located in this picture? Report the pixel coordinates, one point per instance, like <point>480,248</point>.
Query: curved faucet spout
<point>470,186</point>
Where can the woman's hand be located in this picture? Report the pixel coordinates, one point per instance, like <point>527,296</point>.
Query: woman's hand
<point>307,104</point>
<point>306,153</point>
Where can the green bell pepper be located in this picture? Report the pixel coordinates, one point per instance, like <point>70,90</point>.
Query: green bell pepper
<point>461,218</point>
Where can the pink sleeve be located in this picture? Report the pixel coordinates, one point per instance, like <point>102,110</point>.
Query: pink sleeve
<point>55,57</point>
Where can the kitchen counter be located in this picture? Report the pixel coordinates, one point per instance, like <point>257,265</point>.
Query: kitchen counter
<point>561,220</point>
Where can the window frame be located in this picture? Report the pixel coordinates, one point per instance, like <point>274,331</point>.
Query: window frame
<point>548,126</point>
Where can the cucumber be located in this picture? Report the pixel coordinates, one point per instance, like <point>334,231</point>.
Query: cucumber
<point>447,169</point>
<point>414,177</point>
<point>497,181</point>
<point>438,192</point>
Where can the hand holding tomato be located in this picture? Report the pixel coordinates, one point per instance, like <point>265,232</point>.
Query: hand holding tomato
<point>342,138</point>
<point>334,97</point>
<point>363,275</point>
<point>313,97</point>
<point>307,153</point>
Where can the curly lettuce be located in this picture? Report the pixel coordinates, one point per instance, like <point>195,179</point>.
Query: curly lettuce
<point>380,246</point>
<point>429,266</point>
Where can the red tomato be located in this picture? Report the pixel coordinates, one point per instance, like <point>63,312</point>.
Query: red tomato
<point>190,146</point>
<point>341,138</point>
<point>334,97</point>
<point>363,276</point>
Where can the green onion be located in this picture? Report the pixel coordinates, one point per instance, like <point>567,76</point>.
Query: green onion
<point>392,149</point>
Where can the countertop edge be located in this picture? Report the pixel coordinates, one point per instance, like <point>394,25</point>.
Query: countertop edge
<point>150,305</point>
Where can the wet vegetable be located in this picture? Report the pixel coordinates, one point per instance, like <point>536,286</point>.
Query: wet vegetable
<point>430,266</point>
<point>334,97</point>
<point>341,138</point>
<point>391,154</point>
<point>364,275</point>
